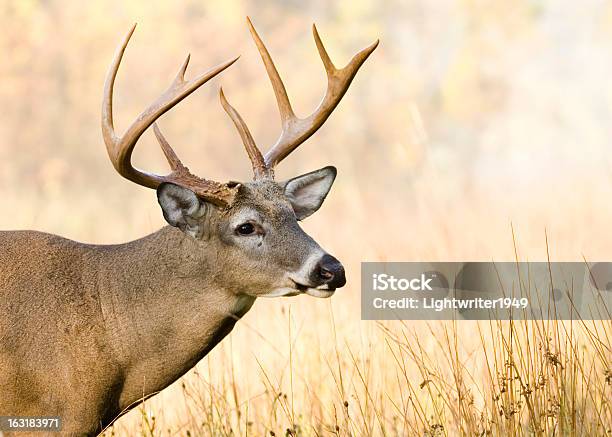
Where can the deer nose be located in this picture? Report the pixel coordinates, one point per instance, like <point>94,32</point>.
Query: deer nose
<point>331,272</point>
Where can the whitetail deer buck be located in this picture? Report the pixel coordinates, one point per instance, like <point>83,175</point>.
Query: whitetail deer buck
<point>87,332</point>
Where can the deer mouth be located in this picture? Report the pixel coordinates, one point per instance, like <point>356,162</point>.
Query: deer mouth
<point>321,292</point>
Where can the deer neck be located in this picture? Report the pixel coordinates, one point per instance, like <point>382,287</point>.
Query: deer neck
<point>163,307</point>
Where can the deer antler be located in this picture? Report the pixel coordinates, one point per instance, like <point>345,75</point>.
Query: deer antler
<point>295,130</point>
<point>120,148</point>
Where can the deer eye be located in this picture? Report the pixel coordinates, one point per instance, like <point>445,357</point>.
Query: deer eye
<point>245,229</point>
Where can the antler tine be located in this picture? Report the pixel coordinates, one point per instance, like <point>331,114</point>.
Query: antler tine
<point>259,167</point>
<point>173,160</point>
<point>108,130</point>
<point>180,76</point>
<point>297,130</point>
<point>120,148</point>
<point>282,100</point>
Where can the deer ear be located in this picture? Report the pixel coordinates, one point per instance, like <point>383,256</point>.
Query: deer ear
<point>183,209</point>
<point>307,192</point>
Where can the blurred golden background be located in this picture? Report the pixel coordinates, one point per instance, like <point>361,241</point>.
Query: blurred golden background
<point>472,118</point>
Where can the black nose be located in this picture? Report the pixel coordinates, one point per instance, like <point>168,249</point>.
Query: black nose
<point>329,271</point>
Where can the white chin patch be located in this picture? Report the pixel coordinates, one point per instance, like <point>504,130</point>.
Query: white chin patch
<point>283,292</point>
<point>316,292</point>
<point>288,292</point>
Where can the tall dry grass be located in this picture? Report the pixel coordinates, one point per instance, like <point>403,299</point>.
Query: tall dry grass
<point>470,116</point>
<point>431,379</point>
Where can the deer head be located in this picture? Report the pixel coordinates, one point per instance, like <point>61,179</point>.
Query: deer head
<point>252,226</point>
